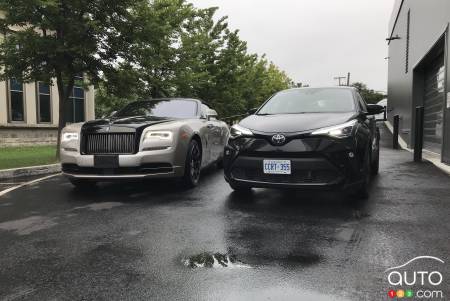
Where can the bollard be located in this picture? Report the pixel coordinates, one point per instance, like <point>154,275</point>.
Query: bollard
<point>418,134</point>
<point>385,113</point>
<point>395,144</point>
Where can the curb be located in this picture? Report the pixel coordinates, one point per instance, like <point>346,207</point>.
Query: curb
<point>430,157</point>
<point>29,171</point>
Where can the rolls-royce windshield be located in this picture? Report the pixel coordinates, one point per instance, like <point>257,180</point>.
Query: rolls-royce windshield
<point>160,108</point>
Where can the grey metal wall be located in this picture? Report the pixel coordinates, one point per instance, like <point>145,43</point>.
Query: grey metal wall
<point>429,21</point>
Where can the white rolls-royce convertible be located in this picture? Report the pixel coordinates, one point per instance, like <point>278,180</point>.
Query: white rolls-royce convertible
<point>159,138</point>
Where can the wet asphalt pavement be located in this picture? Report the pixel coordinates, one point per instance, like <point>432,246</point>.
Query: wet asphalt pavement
<point>130,241</point>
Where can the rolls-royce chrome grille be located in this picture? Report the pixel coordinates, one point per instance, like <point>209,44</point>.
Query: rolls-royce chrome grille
<point>109,143</point>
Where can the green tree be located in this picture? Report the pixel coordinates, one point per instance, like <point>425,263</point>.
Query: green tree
<point>215,66</point>
<point>62,39</point>
<point>182,51</point>
<point>369,95</point>
<point>135,50</point>
<point>154,54</point>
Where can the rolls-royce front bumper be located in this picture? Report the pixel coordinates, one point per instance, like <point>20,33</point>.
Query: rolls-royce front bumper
<point>145,164</point>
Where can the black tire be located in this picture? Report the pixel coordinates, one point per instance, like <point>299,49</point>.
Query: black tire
<point>362,192</point>
<point>83,184</point>
<point>219,163</point>
<point>375,168</point>
<point>240,188</point>
<point>193,165</point>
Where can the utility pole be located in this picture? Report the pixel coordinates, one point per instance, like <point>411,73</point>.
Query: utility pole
<point>348,79</point>
<point>339,78</point>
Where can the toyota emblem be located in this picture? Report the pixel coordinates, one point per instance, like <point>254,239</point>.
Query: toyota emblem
<point>278,139</point>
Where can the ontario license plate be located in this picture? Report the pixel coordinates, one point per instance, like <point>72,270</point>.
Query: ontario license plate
<point>277,167</point>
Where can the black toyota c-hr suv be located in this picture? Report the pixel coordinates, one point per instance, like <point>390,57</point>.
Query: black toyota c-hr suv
<point>306,138</point>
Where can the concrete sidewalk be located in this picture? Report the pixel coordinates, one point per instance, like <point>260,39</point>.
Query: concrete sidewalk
<point>14,177</point>
<point>426,155</point>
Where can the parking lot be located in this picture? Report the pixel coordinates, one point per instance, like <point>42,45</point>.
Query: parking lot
<point>138,241</point>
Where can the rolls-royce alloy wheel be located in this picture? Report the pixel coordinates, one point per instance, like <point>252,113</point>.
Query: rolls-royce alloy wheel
<point>193,165</point>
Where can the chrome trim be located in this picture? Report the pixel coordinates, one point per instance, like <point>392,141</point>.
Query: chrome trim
<point>109,143</point>
<point>285,184</point>
<point>132,176</point>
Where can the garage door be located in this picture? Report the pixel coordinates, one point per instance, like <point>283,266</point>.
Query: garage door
<point>434,105</point>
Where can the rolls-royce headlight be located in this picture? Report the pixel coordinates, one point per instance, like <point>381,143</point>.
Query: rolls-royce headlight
<point>166,136</point>
<point>338,131</point>
<point>237,131</point>
<point>70,136</point>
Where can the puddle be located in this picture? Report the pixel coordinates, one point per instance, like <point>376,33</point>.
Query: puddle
<point>28,225</point>
<point>217,260</point>
<point>134,232</point>
<point>100,206</point>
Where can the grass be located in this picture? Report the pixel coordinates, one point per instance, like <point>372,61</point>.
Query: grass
<point>14,157</point>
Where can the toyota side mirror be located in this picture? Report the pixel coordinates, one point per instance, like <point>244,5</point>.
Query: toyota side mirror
<point>374,109</point>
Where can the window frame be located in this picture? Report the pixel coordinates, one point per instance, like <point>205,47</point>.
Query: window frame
<point>9,102</point>
<point>73,98</point>
<point>361,103</point>
<point>204,111</point>
<point>38,103</point>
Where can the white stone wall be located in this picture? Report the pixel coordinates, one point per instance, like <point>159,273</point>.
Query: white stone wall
<point>30,131</point>
<point>30,98</point>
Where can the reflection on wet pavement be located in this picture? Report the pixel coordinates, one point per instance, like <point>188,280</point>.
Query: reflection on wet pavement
<point>150,240</point>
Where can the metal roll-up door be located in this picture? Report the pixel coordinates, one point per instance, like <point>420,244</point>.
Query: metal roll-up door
<point>434,105</point>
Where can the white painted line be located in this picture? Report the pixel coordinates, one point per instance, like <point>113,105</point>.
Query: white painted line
<point>2,193</point>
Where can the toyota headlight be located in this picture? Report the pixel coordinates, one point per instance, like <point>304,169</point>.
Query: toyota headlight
<point>70,136</point>
<point>237,131</point>
<point>338,131</point>
<point>165,136</point>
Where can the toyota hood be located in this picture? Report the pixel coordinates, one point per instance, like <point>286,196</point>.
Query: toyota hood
<point>294,123</point>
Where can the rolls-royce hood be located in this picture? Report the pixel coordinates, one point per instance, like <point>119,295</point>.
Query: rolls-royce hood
<point>129,124</point>
<point>294,123</point>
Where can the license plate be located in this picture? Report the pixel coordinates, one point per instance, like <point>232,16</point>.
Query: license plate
<point>277,167</point>
<point>106,161</point>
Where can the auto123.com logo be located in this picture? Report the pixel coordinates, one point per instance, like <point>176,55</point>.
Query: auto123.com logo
<point>418,278</point>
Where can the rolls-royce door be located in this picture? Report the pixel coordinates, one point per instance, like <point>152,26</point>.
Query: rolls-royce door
<point>217,134</point>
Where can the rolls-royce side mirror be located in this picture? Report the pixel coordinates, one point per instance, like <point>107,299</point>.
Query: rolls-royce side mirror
<point>212,115</point>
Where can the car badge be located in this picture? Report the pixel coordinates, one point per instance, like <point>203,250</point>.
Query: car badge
<point>278,139</point>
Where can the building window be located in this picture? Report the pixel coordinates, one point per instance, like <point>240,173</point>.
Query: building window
<point>76,103</point>
<point>44,103</point>
<point>16,98</point>
<point>408,24</point>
